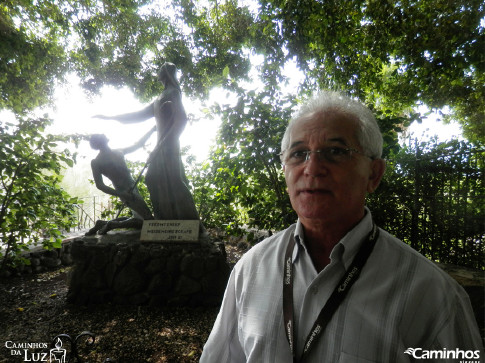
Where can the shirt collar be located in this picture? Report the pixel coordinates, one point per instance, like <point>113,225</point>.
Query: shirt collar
<point>347,247</point>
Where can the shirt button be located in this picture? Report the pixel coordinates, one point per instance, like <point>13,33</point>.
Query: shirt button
<point>314,290</point>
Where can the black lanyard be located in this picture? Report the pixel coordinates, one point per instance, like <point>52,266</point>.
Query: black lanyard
<point>333,302</point>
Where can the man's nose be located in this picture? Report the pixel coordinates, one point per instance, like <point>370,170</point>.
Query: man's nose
<point>315,165</point>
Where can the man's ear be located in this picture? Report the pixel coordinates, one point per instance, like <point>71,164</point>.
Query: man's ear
<point>378,167</point>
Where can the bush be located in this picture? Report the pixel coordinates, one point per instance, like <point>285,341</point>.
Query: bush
<point>34,208</point>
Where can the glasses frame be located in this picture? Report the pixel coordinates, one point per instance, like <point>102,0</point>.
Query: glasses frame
<point>324,153</point>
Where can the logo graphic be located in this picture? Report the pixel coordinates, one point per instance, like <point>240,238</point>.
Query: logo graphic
<point>58,354</point>
<point>410,351</point>
<point>349,278</point>
<point>38,352</point>
<point>468,356</point>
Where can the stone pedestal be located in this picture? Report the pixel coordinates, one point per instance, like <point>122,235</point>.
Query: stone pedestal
<point>118,268</point>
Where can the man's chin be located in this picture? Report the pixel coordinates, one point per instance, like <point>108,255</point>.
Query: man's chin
<point>318,213</point>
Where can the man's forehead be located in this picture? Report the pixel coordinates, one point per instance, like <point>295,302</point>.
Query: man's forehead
<point>331,141</point>
<point>331,126</point>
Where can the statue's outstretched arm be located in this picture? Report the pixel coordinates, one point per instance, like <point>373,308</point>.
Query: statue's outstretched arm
<point>139,143</point>
<point>131,117</point>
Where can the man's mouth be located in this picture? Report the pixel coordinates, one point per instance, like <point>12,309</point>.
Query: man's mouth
<point>313,191</point>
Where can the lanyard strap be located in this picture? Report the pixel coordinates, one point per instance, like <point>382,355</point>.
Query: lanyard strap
<point>333,302</point>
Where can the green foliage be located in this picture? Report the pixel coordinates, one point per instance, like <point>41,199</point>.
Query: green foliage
<point>118,43</point>
<point>29,65</point>
<point>33,209</point>
<point>243,184</point>
<point>218,35</point>
<point>392,54</point>
<point>431,197</point>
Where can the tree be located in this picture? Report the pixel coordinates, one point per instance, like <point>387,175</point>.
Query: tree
<point>392,54</point>
<point>115,43</point>
<point>244,183</point>
<point>33,208</point>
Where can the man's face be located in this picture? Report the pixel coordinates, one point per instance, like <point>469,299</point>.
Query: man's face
<point>322,191</point>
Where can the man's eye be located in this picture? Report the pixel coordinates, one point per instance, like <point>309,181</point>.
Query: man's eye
<point>337,151</point>
<point>299,154</point>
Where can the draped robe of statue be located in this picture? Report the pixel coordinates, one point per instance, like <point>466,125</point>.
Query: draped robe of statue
<point>165,178</point>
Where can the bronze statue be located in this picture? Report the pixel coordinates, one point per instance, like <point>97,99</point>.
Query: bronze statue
<point>165,178</point>
<point>111,164</point>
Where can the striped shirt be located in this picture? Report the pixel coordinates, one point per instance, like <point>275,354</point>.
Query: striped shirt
<point>401,300</point>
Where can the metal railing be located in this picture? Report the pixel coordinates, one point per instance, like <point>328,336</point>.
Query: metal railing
<point>90,210</point>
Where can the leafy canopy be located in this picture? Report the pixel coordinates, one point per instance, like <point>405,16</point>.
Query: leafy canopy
<point>393,55</point>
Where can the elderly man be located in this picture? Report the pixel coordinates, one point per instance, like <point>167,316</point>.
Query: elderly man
<point>334,287</point>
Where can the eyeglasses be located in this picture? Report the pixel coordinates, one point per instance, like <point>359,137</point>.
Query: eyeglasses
<point>332,154</point>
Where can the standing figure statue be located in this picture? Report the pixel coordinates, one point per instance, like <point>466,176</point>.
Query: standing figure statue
<point>166,181</point>
<point>111,164</point>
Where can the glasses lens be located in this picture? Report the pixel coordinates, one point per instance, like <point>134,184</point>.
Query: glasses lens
<point>336,154</point>
<point>296,157</point>
<point>332,154</point>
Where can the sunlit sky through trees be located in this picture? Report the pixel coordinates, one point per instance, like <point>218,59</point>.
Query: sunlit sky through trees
<point>74,111</point>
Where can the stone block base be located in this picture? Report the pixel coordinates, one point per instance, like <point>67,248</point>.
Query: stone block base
<point>117,268</point>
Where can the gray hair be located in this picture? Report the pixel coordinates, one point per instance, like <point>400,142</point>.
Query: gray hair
<point>369,135</point>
